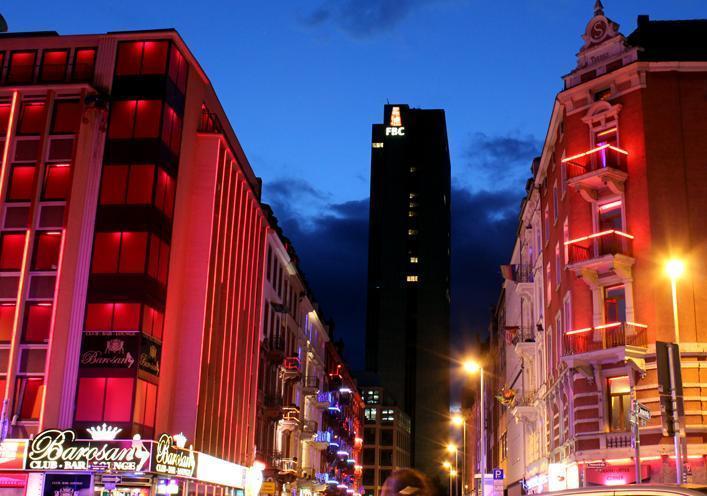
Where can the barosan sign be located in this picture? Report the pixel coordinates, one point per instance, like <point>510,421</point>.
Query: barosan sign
<point>110,350</point>
<point>172,460</point>
<point>60,450</point>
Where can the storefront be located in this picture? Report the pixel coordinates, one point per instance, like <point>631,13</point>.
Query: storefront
<point>58,463</point>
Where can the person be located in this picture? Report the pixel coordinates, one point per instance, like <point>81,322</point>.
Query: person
<point>407,482</point>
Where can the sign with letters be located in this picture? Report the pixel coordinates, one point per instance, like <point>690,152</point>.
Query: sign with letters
<point>56,449</point>
<point>66,484</point>
<point>110,350</point>
<point>395,131</point>
<point>172,460</point>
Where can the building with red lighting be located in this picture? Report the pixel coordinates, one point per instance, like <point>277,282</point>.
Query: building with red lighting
<point>617,192</point>
<point>132,261</point>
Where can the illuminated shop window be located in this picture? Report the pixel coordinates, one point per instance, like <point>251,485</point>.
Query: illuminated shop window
<point>414,260</point>
<point>21,67</point>
<point>104,399</point>
<point>28,397</point>
<point>377,145</point>
<point>412,278</point>
<point>84,63</point>
<point>54,63</point>
<point>66,117</point>
<point>12,245</point>
<point>32,118</point>
<point>137,58</point>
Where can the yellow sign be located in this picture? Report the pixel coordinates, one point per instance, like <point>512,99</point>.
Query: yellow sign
<point>268,487</point>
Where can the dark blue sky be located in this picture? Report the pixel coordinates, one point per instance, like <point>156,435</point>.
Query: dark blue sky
<point>302,81</point>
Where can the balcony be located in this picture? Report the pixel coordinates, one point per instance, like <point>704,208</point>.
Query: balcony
<point>290,369</point>
<point>601,252</point>
<point>597,170</point>
<point>310,385</point>
<point>287,466</point>
<point>523,340</point>
<point>309,427</point>
<point>524,408</point>
<point>272,407</point>
<point>290,418</point>
<point>523,275</point>
<point>607,343</point>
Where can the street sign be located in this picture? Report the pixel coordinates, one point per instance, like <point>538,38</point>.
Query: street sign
<point>112,479</point>
<point>268,487</point>
<point>498,474</point>
<point>642,411</point>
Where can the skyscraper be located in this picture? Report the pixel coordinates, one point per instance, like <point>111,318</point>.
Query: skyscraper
<point>408,270</point>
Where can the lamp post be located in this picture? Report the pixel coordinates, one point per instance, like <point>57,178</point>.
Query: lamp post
<point>675,269</point>
<point>448,466</point>
<point>471,367</point>
<point>451,448</point>
<point>460,421</point>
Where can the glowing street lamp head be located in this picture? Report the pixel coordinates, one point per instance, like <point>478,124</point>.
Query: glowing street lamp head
<point>451,448</point>
<point>457,419</point>
<point>453,473</point>
<point>447,465</point>
<point>471,366</point>
<point>675,268</point>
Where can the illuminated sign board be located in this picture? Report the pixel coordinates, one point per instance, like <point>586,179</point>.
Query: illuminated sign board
<point>60,450</point>
<point>173,460</point>
<point>395,131</point>
<point>12,454</point>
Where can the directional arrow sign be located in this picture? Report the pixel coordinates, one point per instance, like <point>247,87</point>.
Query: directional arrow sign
<point>112,479</point>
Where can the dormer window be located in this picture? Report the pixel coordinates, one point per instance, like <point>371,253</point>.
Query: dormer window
<point>602,95</point>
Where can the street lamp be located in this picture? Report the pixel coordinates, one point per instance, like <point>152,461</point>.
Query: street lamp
<point>472,367</point>
<point>675,268</point>
<point>458,420</point>
<point>448,466</point>
<point>452,448</point>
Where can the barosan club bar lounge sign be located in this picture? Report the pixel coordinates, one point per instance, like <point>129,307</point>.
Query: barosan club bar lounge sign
<point>60,450</point>
<point>171,459</point>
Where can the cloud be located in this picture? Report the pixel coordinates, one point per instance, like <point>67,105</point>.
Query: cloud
<point>333,245</point>
<point>489,157</point>
<point>363,18</point>
<point>294,197</point>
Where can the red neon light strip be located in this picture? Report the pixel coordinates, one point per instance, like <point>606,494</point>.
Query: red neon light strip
<point>604,326</point>
<point>596,235</point>
<point>594,150</point>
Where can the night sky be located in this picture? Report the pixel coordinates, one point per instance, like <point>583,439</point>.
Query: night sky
<point>302,81</point>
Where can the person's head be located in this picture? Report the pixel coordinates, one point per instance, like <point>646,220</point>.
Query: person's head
<point>407,482</point>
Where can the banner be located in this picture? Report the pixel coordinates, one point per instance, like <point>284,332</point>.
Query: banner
<point>110,350</point>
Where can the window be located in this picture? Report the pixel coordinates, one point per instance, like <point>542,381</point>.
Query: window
<point>66,117</point>
<point>610,216</point>
<point>386,457</point>
<point>504,445</point>
<point>135,119</point>
<point>21,187</point>
<point>84,62</point>
<point>119,252</point>
<point>376,145</point>
<point>37,322</point>
<point>28,397</point>
<point>104,399</point>
<point>4,116</point>
<point>412,278</point>
<point>414,260</point>
<point>412,232</point>
<point>368,478</point>
<point>57,182</point>
<point>619,403</point>
<point>412,213</point>
<point>46,250</point>
<point>21,67</point>
<point>7,320</point>
<point>558,267</point>
<point>369,436</point>
<point>178,68</point>
<point>547,224</point>
<point>32,118</point>
<point>615,304</point>
<point>54,64</point>
<point>370,414</point>
<point>141,57</point>
<point>558,328</point>
<point>145,404</point>
<point>567,312</point>
<point>12,246</point>
<point>369,456</point>
<point>371,396</point>
<point>387,415</point>
<point>158,262</point>
<point>386,437</point>
<point>555,203</point>
<point>565,239</point>
<point>549,283</point>
<point>563,177</point>
<point>172,129</point>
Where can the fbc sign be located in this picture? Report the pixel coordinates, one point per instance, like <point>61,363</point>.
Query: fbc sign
<point>395,131</point>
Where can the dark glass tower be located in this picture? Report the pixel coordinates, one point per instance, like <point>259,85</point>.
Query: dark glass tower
<point>407,323</point>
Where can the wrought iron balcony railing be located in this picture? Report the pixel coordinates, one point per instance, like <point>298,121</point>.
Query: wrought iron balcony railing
<point>601,157</point>
<point>611,335</point>
<point>611,242</point>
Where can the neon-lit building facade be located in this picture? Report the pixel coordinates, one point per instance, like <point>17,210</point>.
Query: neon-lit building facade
<point>617,192</point>
<point>132,246</point>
